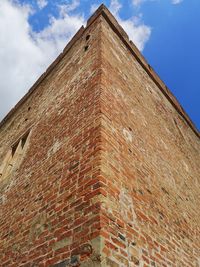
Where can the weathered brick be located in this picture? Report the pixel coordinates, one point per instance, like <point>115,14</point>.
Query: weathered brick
<point>109,173</point>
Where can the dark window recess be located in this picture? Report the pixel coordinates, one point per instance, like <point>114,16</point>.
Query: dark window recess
<point>87,37</point>
<point>86,48</point>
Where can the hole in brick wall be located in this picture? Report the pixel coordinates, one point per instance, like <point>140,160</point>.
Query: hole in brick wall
<point>121,237</point>
<point>141,192</point>
<point>29,108</point>
<point>87,37</point>
<point>86,48</point>
<point>149,191</point>
<point>26,186</point>
<point>26,119</point>
<point>164,190</point>
<point>130,129</point>
<point>133,243</point>
<point>130,150</point>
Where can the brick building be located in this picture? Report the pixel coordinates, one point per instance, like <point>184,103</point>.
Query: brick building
<point>99,164</point>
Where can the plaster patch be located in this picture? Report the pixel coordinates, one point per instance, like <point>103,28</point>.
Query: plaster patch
<point>126,206</point>
<point>54,148</point>
<point>128,135</point>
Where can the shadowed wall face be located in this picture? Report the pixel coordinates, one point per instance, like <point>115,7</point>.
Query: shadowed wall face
<point>109,173</point>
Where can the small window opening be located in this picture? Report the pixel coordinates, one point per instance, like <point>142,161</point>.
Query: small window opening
<point>14,156</point>
<point>87,37</point>
<point>86,48</point>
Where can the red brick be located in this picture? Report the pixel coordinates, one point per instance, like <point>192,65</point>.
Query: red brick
<point>111,160</point>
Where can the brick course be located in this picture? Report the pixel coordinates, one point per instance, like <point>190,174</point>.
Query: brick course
<point>110,175</point>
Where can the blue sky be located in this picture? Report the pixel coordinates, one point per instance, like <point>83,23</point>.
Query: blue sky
<point>34,32</point>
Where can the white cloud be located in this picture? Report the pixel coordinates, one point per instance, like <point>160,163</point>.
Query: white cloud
<point>65,8</point>
<point>93,8</point>
<point>176,2</point>
<point>138,32</point>
<point>137,2</point>
<point>42,3</point>
<point>115,7</point>
<point>25,54</point>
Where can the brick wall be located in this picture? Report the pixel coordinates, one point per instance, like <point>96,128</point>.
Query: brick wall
<point>110,175</point>
<point>150,155</point>
<point>49,209</point>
